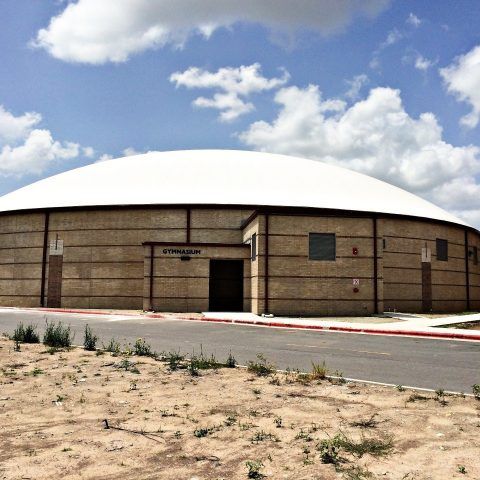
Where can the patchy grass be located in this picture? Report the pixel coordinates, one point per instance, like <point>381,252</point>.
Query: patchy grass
<point>121,414</point>
<point>261,367</point>
<point>25,334</point>
<point>90,340</point>
<point>57,335</point>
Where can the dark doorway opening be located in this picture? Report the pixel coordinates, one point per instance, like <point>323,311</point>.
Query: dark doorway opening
<point>226,286</point>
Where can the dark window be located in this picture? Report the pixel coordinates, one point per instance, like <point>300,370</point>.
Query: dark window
<point>384,244</point>
<point>321,246</point>
<point>442,249</point>
<point>254,247</point>
<point>475,255</point>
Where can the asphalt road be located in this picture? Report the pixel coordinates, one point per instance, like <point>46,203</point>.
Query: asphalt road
<point>423,363</point>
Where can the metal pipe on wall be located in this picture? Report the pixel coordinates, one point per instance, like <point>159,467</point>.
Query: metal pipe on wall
<point>267,218</point>
<point>44,258</point>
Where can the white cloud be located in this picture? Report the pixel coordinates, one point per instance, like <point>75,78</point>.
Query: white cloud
<point>375,136</point>
<point>394,36</point>
<point>462,79</point>
<point>15,128</point>
<point>130,152</point>
<point>422,63</point>
<point>413,20</point>
<point>96,32</point>
<point>356,84</point>
<point>105,157</point>
<point>127,152</point>
<point>233,84</point>
<point>27,149</point>
<point>88,152</point>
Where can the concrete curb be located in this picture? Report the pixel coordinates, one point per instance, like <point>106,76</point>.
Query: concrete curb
<point>370,331</point>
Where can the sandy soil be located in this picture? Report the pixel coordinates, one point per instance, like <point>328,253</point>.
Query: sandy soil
<point>53,406</point>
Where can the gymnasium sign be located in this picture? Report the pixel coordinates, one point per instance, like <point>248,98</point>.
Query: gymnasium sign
<point>181,251</point>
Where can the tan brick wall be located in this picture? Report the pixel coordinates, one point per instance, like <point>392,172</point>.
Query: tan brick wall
<point>21,242</point>
<point>474,272</point>
<point>256,267</point>
<point>104,261</point>
<point>402,266</point>
<point>300,286</point>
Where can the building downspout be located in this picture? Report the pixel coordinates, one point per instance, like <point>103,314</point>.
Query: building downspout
<point>189,211</point>
<point>266,261</point>
<point>152,252</point>
<point>44,257</point>
<point>467,271</point>
<point>375,266</point>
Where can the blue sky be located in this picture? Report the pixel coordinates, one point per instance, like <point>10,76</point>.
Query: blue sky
<point>101,81</point>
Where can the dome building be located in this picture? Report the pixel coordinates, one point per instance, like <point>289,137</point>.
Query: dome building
<point>221,230</point>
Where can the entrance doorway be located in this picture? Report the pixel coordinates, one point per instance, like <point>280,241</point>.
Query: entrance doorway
<point>226,286</point>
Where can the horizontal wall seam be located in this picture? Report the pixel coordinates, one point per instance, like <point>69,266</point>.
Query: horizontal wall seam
<point>20,248</point>
<point>433,284</point>
<point>328,277</point>
<point>299,235</point>
<point>433,240</point>
<point>20,295</point>
<point>391,267</point>
<point>21,232</point>
<point>101,296</point>
<point>296,299</point>
<point>419,254</point>
<point>364,257</point>
<point>103,262</point>
<point>21,263</point>
<point>88,279</point>
<point>399,300</point>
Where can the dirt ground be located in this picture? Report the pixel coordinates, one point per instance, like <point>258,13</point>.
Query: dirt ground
<point>179,426</point>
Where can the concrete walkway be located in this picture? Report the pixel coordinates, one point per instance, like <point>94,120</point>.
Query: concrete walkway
<point>393,324</point>
<point>407,324</point>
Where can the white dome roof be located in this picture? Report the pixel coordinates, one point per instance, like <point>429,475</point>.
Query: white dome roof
<point>223,177</point>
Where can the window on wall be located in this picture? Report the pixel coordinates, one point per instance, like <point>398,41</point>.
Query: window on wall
<point>321,246</point>
<point>254,247</point>
<point>475,255</point>
<point>442,249</point>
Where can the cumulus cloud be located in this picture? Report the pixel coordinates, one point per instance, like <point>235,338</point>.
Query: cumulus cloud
<point>375,136</point>
<point>16,128</point>
<point>462,79</point>
<point>89,31</point>
<point>27,149</point>
<point>233,83</point>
